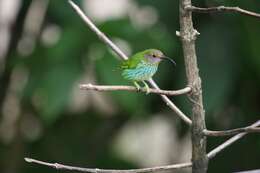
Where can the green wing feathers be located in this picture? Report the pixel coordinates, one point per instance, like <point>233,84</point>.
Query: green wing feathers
<point>131,62</point>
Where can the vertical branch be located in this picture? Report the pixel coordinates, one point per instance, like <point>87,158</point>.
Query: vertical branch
<point>188,36</point>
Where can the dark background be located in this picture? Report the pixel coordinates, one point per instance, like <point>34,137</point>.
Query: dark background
<point>44,115</point>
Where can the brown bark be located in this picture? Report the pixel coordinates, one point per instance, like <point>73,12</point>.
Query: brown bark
<point>188,36</point>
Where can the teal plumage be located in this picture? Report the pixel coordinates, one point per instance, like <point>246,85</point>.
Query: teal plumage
<point>143,71</point>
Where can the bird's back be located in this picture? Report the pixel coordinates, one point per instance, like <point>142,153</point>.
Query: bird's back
<point>132,62</point>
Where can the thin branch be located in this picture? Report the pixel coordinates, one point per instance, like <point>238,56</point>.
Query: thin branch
<point>222,9</point>
<point>134,89</point>
<point>221,147</point>
<point>172,105</point>
<point>100,34</point>
<point>118,51</point>
<point>248,129</point>
<point>97,170</point>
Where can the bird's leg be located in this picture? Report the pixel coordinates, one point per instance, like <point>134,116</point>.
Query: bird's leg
<point>146,87</point>
<point>137,85</point>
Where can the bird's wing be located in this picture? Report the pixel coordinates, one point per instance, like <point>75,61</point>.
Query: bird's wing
<point>131,62</point>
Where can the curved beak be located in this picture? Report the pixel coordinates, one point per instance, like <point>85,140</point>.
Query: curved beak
<point>169,59</point>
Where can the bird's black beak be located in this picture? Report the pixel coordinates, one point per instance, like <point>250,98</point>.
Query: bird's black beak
<point>169,59</point>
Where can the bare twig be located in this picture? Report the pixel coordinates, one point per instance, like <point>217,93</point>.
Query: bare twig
<point>221,147</point>
<point>222,9</point>
<point>118,51</point>
<point>172,105</point>
<point>134,89</point>
<point>97,170</point>
<point>248,129</point>
<point>100,34</point>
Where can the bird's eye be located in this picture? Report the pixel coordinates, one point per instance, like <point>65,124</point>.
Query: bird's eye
<point>154,55</point>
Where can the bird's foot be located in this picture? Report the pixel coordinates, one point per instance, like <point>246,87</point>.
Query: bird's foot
<point>147,90</point>
<point>146,87</point>
<point>137,86</point>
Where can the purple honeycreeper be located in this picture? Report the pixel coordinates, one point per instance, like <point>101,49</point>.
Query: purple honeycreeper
<point>142,66</point>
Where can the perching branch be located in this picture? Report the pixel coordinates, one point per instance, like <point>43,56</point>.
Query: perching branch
<point>222,9</point>
<point>118,51</point>
<point>227,143</point>
<point>97,170</point>
<point>248,129</point>
<point>134,89</point>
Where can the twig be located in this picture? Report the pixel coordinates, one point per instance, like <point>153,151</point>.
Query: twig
<point>96,170</point>
<point>134,89</point>
<point>100,34</point>
<point>172,105</point>
<point>221,147</point>
<point>222,9</point>
<point>118,51</point>
<point>248,129</point>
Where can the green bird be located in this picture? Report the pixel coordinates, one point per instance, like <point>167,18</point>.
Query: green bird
<point>142,66</point>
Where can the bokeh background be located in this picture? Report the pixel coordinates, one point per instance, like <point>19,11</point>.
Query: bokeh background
<point>46,51</point>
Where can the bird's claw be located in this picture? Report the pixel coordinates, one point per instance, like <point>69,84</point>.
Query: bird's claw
<point>137,86</point>
<point>146,88</point>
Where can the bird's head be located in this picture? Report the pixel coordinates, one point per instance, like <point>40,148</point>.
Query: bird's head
<point>155,56</point>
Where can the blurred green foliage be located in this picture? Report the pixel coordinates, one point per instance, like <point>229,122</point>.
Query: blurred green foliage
<point>229,61</point>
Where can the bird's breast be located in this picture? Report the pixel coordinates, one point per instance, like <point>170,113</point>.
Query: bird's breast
<point>140,73</point>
